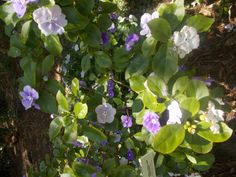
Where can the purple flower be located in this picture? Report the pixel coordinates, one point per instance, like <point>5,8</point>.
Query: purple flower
<point>126,121</point>
<point>105,38</point>
<point>50,20</point>
<point>151,122</point>
<point>182,68</point>
<point>130,41</point>
<point>111,93</point>
<point>113,16</point>
<point>130,155</point>
<point>117,135</point>
<point>77,144</point>
<point>208,81</point>
<point>94,175</point>
<point>110,84</point>
<point>29,95</point>
<point>83,160</point>
<point>19,6</point>
<point>112,28</point>
<point>104,143</point>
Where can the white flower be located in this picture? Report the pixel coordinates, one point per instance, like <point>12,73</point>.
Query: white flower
<point>175,114</point>
<point>76,47</point>
<point>123,161</point>
<point>145,19</point>
<point>105,113</point>
<point>214,116</point>
<point>67,59</point>
<point>186,40</point>
<point>50,20</point>
<point>132,18</point>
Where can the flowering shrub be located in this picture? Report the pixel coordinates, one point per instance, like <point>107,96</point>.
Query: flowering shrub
<point>133,111</point>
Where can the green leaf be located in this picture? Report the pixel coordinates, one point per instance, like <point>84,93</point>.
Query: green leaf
<point>197,89</point>
<point>205,132</point>
<point>204,162</point>
<point>200,22</point>
<point>191,106</point>
<point>14,52</point>
<point>52,44</point>
<point>47,102</point>
<point>85,6</point>
<point>7,14</point>
<point>180,85</point>
<point>92,35</point>
<point>149,46</point>
<point>61,100</point>
<point>137,66</point>
<point>120,59</point>
<point>55,128</point>
<point>86,63</point>
<point>102,59</point>
<point>104,22</point>
<point>108,7</point>
<point>108,165</point>
<point>75,86</point>
<point>25,30</point>
<point>30,71</point>
<point>94,134</point>
<point>165,62</point>
<point>129,143</point>
<point>47,64</point>
<point>80,110</point>
<point>157,85</point>
<point>53,86</point>
<point>137,83</point>
<point>149,100</point>
<point>198,144</point>
<point>160,29</point>
<point>70,133</point>
<point>74,17</point>
<point>191,158</point>
<point>83,170</point>
<point>137,106</point>
<point>124,171</point>
<point>168,138</point>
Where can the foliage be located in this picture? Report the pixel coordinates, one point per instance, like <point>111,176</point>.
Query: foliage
<point>145,79</point>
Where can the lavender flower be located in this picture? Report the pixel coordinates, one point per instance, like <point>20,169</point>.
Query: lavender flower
<point>145,19</point>
<point>117,135</point>
<point>130,41</point>
<point>83,160</point>
<point>77,144</point>
<point>111,93</point>
<point>105,113</point>
<point>151,122</point>
<point>112,28</point>
<point>94,175</point>
<point>105,38</point>
<point>104,143</point>
<point>126,121</point>
<point>110,88</point>
<point>20,6</point>
<point>29,95</point>
<point>130,155</point>
<point>50,20</point>
<point>113,16</point>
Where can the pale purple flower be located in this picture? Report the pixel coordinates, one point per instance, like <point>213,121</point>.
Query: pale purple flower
<point>113,16</point>
<point>29,95</point>
<point>94,175</point>
<point>130,155</point>
<point>50,20</point>
<point>145,19</point>
<point>105,38</point>
<point>77,143</point>
<point>112,28</point>
<point>20,6</point>
<point>117,136</point>
<point>130,41</point>
<point>105,113</point>
<point>151,122</point>
<point>126,121</point>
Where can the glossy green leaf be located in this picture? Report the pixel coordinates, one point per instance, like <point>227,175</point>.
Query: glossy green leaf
<point>149,46</point>
<point>52,44</point>
<point>61,100</point>
<point>180,85</point>
<point>92,35</point>
<point>104,22</point>
<point>157,85</point>
<point>160,29</point>
<point>25,30</point>
<point>94,134</point>
<point>55,127</point>
<point>75,86</point>
<point>70,133</point>
<point>137,83</point>
<point>137,66</point>
<point>47,102</point>
<point>197,89</point>
<point>80,110</point>
<point>102,59</point>
<point>165,62</point>
<point>108,7</point>
<point>204,162</point>
<point>168,138</point>
<point>205,132</point>
<point>85,6</point>
<point>190,106</point>
<point>198,144</point>
<point>86,63</point>
<point>200,22</point>
<point>53,86</point>
<point>47,64</point>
